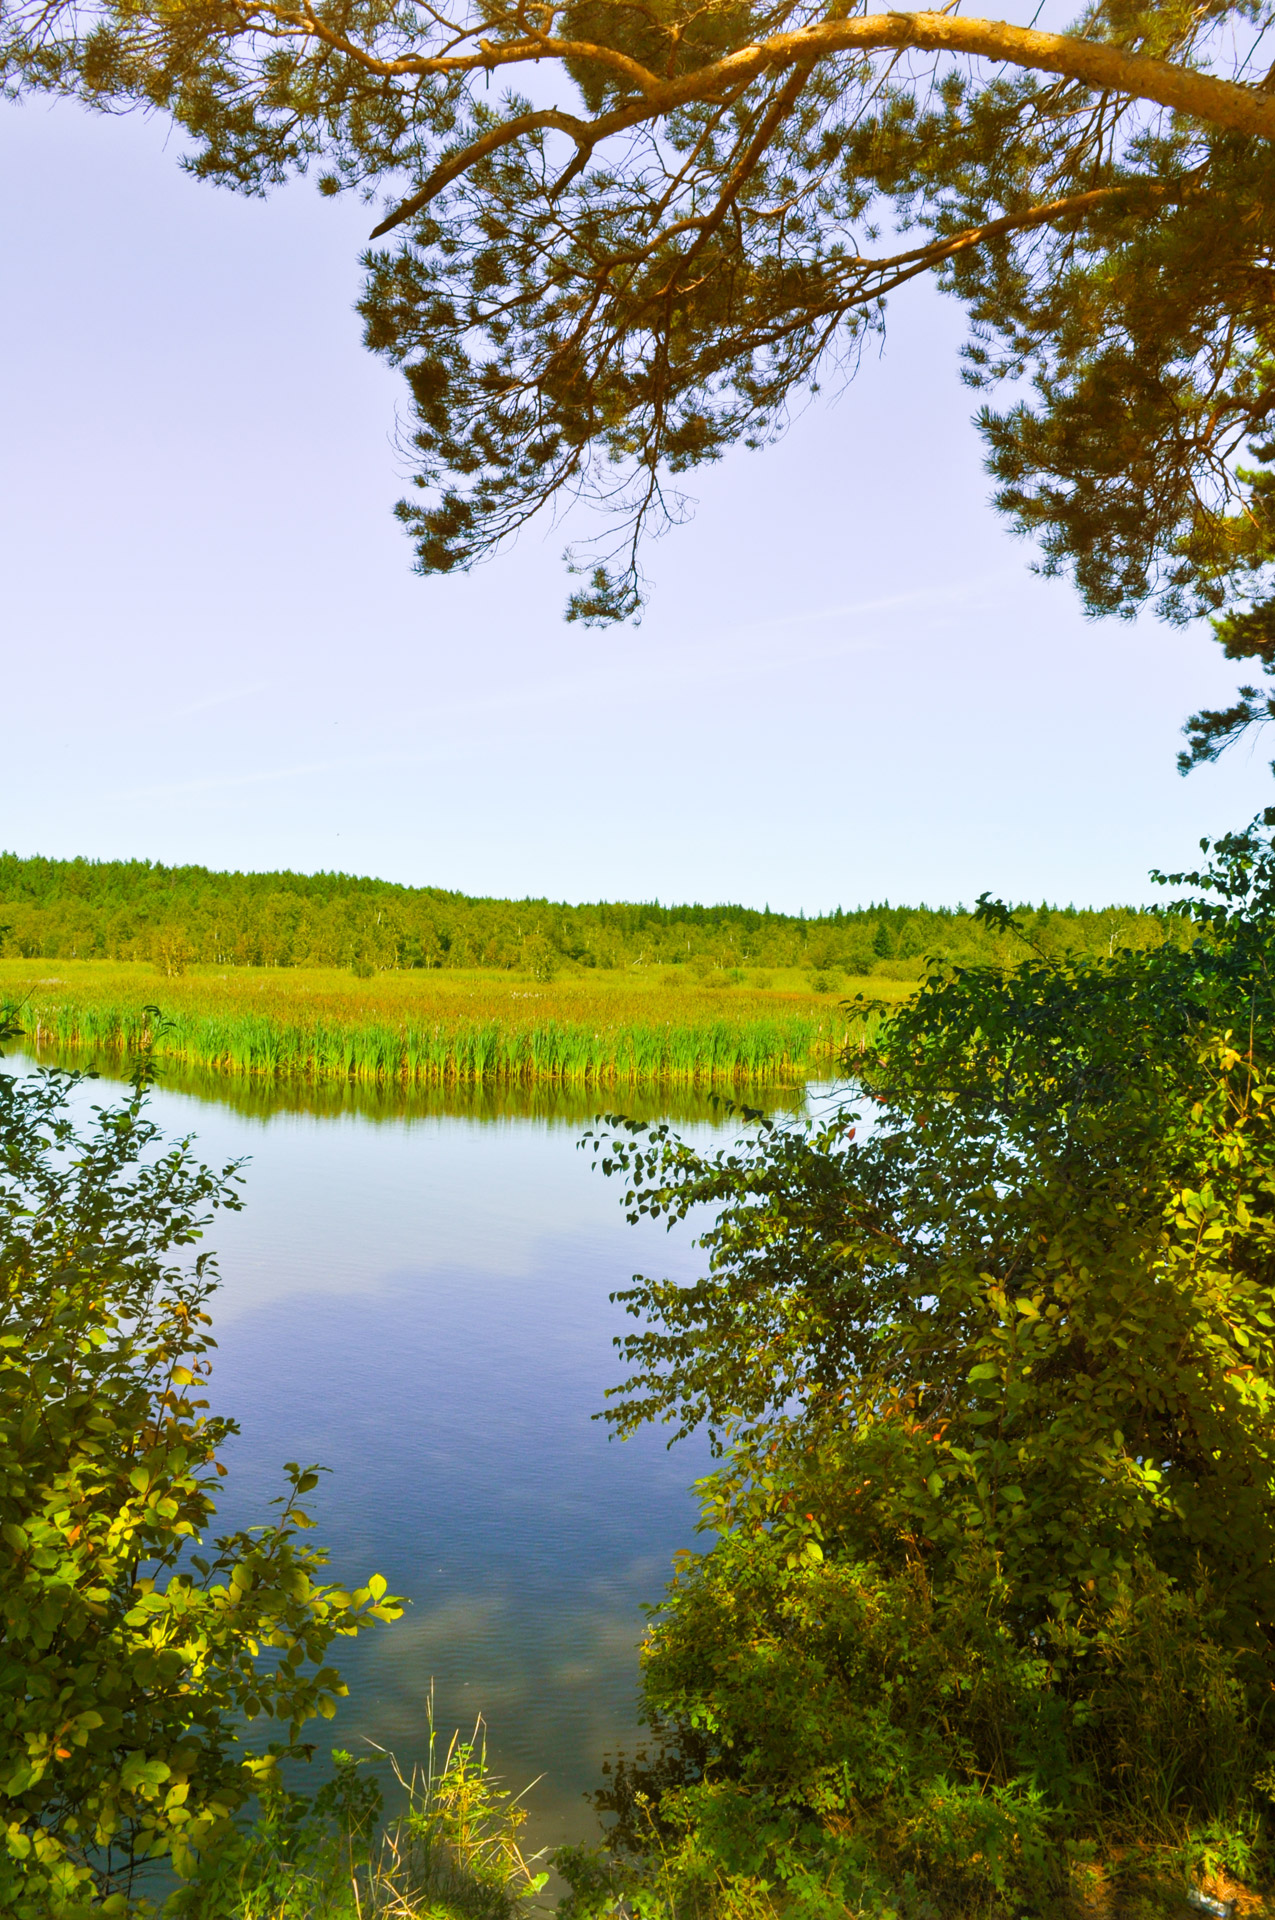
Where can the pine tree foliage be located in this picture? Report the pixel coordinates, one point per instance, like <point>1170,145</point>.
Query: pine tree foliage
<point>620,238</point>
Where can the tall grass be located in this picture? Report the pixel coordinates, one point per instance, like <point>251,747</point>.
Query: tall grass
<point>406,1030</point>
<point>454,1853</point>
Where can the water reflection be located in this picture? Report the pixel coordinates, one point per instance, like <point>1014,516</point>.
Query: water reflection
<point>417,1296</point>
<point>259,1095</point>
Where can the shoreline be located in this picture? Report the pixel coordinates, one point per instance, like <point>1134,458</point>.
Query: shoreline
<point>413,1030</point>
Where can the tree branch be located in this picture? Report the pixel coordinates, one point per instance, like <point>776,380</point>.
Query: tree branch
<point>581,131</point>
<point>1226,104</point>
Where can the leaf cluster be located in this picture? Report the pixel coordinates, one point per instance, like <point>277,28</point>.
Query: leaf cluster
<point>990,1379</point>
<point>130,1654</point>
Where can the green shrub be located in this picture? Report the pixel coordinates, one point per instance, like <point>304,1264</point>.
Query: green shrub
<point>303,1857</point>
<point>992,1593</point>
<point>129,1659</point>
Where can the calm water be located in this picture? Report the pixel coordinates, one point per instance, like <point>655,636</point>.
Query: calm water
<point>417,1297</point>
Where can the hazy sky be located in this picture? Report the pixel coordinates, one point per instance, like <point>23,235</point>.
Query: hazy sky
<point>848,684</point>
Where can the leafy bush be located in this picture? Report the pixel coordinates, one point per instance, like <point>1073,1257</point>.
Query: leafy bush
<point>128,1658</point>
<point>993,1592</point>
<point>301,1859</point>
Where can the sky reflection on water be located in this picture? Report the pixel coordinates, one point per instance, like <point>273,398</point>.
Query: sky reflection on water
<point>422,1305</point>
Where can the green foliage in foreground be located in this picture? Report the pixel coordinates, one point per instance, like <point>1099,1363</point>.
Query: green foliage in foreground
<point>991,1612</point>
<point>454,1854</point>
<point>133,910</point>
<point>128,1659</point>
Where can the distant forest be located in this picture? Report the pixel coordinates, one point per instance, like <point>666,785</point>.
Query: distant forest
<point>133,910</point>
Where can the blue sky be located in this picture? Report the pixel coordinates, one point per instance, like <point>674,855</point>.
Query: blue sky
<point>848,685</point>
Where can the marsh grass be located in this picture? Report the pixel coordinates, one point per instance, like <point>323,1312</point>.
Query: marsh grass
<point>454,1853</point>
<point>432,1029</point>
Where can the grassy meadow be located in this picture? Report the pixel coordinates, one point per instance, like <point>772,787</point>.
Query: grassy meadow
<point>640,1026</point>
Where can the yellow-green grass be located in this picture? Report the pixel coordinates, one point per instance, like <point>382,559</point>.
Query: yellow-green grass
<point>643,1026</point>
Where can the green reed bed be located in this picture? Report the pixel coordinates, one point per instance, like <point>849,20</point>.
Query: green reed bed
<point>459,1050</point>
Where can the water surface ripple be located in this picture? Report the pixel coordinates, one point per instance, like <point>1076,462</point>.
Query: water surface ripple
<point>419,1300</point>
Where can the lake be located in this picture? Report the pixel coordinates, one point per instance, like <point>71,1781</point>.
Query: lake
<point>416,1295</point>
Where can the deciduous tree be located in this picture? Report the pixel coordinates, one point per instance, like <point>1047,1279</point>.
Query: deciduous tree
<point>130,1654</point>
<point>994,1582</point>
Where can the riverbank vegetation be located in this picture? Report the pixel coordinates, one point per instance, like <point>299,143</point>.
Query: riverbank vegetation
<point>134,1649</point>
<point>450,1029</point>
<point>454,1851</point>
<point>324,978</point>
<point>986,1627</point>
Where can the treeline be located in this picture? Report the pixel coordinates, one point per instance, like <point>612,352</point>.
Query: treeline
<point>136,910</point>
